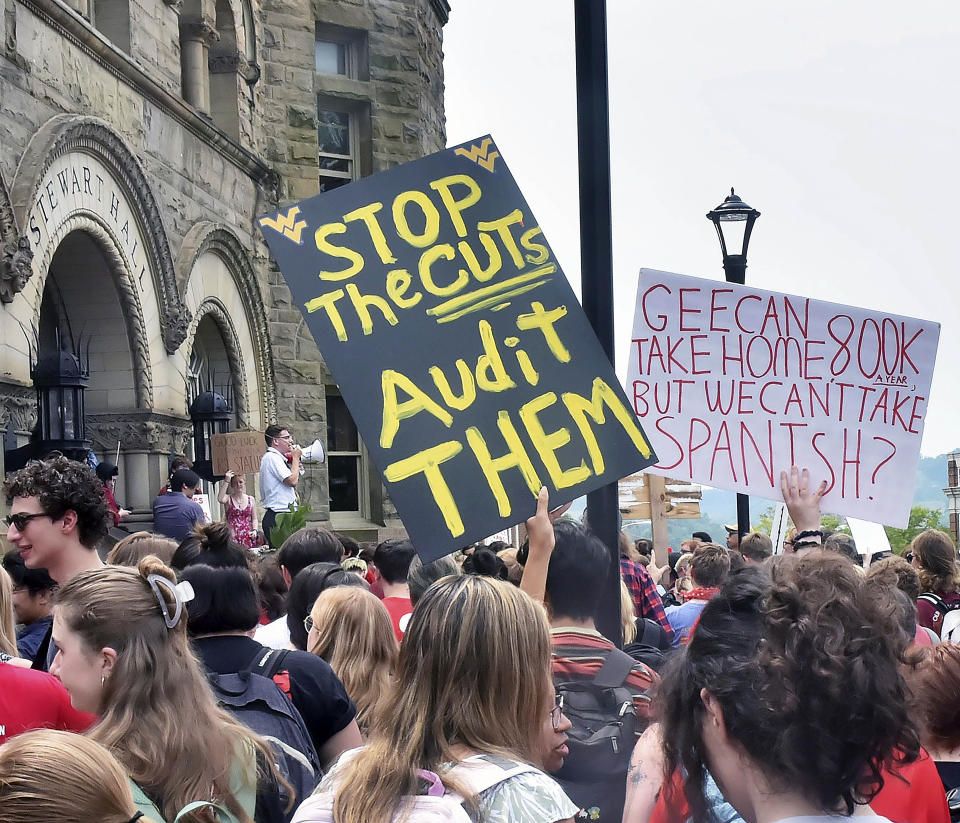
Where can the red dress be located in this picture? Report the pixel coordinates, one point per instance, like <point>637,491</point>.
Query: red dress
<point>240,522</point>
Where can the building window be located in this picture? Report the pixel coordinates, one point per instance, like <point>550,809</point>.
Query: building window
<point>344,455</point>
<point>249,32</point>
<point>330,57</point>
<point>336,144</point>
<point>340,50</point>
<point>112,19</point>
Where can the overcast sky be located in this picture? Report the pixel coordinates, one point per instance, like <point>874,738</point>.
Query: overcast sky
<point>838,121</point>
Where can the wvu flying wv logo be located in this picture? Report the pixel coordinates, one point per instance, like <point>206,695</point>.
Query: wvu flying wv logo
<point>286,224</point>
<point>481,155</point>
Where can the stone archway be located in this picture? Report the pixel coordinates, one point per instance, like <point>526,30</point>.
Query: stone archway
<point>77,165</point>
<point>213,332</point>
<point>209,238</point>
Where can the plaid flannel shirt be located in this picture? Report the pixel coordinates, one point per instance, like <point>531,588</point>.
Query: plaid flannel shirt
<point>646,598</point>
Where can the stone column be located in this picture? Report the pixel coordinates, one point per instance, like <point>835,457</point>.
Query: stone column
<point>196,37</point>
<point>146,441</point>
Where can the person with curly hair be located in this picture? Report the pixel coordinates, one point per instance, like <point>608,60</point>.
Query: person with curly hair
<point>935,559</point>
<point>57,517</point>
<point>789,702</point>
<point>775,675</point>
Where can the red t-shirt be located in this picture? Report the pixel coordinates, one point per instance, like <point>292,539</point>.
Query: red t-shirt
<point>36,700</point>
<point>399,609</point>
<point>911,794</point>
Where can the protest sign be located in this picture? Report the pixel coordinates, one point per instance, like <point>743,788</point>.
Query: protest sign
<point>239,452</point>
<point>869,537</point>
<point>469,368</point>
<point>734,384</point>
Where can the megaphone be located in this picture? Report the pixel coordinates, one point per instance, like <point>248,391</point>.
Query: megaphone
<point>312,453</point>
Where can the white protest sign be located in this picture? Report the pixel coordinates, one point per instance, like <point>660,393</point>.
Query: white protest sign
<point>734,383</point>
<point>778,528</point>
<point>869,537</point>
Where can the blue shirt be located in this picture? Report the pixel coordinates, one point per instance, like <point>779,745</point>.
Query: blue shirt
<point>683,618</point>
<point>175,515</point>
<point>31,636</point>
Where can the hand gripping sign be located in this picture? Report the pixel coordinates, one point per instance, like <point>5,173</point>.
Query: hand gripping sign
<point>464,358</point>
<point>734,384</point>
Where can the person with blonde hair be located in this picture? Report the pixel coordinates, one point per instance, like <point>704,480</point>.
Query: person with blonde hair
<point>134,547</point>
<point>8,626</point>
<point>350,628</point>
<point>123,654</point>
<point>54,775</point>
<point>471,698</point>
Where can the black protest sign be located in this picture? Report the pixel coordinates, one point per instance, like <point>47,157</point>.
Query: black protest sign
<point>463,355</point>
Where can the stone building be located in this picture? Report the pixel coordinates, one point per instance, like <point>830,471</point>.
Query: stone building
<point>952,491</point>
<point>139,141</point>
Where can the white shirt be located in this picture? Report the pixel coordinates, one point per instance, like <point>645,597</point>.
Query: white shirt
<point>276,494</point>
<point>276,634</point>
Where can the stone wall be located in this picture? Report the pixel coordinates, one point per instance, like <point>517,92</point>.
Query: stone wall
<point>54,63</point>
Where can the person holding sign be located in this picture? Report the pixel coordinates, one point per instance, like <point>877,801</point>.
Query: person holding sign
<point>279,475</point>
<point>241,514</point>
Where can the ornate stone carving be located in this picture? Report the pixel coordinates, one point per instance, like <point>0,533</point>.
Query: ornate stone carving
<point>69,132</point>
<point>159,433</point>
<point>202,30</point>
<point>227,63</point>
<point>16,268</point>
<point>18,408</point>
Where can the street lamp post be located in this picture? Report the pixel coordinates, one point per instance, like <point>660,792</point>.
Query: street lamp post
<point>733,219</point>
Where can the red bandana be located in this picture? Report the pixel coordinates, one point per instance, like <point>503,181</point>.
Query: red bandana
<point>699,593</point>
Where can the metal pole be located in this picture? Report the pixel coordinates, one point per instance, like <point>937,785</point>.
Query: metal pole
<point>596,259</point>
<point>735,271</point>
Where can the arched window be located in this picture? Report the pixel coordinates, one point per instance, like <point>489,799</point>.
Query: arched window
<point>249,33</point>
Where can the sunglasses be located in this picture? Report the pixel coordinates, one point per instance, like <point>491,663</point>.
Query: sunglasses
<point>20,519</point>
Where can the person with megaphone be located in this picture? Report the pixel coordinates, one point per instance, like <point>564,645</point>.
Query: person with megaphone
<point>279,475</point>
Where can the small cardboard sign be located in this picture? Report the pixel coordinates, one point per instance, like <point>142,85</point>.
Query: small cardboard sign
<point>735,384</point>
<point>239,452</point>
<point>463,355</point>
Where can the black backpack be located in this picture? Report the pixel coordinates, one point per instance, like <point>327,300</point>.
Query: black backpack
<point>601,738</point>
<point>259,704</point>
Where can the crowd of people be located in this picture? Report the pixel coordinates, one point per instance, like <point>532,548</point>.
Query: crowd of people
<point>193,679</point>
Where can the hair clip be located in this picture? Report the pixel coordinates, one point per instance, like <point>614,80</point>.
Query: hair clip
<point>182,593</point>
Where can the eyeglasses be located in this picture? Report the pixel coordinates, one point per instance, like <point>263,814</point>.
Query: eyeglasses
<point>556,713</point>
<point>308,623</point>
<point>20,519</point>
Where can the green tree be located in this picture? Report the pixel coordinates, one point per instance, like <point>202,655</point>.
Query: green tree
<point>921,519</point>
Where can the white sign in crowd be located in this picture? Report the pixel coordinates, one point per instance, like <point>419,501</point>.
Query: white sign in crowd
<point>733,383</point>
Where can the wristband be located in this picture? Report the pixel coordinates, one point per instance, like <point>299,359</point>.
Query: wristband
<point>808,533</point>
<point>806,544</point>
